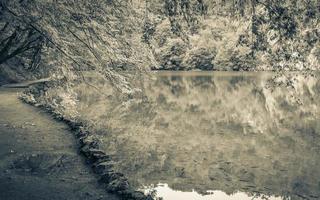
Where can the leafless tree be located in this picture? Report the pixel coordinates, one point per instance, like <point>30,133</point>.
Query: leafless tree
<point>17,39</point>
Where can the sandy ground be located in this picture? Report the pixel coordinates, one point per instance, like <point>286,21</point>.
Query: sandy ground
<point>38,156</point>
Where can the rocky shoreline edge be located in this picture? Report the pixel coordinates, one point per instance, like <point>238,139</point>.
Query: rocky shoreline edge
<point>102,165</point>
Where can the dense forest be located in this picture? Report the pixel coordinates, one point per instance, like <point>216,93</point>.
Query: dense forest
<point>235,35</point>
<point>61,39</point>
<point>41,36</point>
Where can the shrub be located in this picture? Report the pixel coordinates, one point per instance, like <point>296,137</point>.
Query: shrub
<point>200,58</point>
<point>170,57</point>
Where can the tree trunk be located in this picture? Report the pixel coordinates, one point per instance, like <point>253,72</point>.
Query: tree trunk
<point>253,27</point>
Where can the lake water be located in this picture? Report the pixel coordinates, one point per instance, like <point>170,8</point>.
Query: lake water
<point>218,136</point>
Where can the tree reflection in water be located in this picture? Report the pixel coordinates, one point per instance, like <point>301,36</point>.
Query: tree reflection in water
<point>253,133</point>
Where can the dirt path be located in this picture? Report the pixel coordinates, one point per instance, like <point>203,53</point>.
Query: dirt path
<point>38,156</point>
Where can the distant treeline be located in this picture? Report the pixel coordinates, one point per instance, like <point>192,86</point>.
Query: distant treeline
<point>279,28</point>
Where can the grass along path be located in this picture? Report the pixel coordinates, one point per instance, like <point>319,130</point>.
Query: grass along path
<point>38,156</point>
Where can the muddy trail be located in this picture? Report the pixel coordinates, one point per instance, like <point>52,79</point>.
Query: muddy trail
<point>38,156</point>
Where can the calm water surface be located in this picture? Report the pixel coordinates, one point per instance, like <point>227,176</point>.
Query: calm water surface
<point>219,136</point>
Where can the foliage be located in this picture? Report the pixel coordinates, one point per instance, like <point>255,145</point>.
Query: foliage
<point>200,59</point>
<point>95,35</point>
<point>18,39</point>
<point>171,55</point>
<point>285,36</point>
<point>276,35</point>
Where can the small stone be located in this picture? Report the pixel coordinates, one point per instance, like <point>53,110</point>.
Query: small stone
<point>117,185</point>
<point>103,167</point>
<point>97,155</point>
<point>81,134</point>
<point>85,150</point>
<point>109,177</point>
<point>88,140</point>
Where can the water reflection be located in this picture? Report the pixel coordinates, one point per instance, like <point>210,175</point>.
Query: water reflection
<point>242,133</point>
<point>163,191</point>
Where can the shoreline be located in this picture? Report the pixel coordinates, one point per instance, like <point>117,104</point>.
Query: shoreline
<point>101,164</point>
<point>39,157</point>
